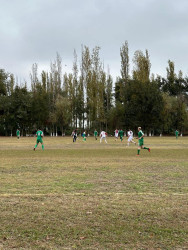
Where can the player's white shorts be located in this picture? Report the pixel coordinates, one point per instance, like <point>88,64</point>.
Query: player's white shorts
<point>130,138</point>
<point>116,135</point>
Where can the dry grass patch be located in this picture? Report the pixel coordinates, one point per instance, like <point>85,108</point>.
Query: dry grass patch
<point>93,196</point>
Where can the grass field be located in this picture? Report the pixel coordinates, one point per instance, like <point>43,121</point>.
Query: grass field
<point>93,196</point>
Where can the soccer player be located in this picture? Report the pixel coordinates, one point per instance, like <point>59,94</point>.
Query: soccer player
<point>95,134</point>
<point>121,134</point>
<point>176,134</point>
<point>84,136</point>
<point>18,133</point>
<point>130,137</point>
<point>116,134</point>
<point>103,136</point>
<point>74,135</point>
<point>141,141</point>
<point>39,135</point>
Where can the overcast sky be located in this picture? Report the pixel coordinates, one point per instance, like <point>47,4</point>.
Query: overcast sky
<point>32,31</point>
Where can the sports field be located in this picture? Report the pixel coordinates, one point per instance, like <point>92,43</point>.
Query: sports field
<point>87,195</point>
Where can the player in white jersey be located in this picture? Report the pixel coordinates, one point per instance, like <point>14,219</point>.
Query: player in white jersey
<point>103,136</point>
<point>130,137</point>
<point>116,134</point>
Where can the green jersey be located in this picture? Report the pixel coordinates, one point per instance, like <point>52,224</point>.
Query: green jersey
<point>121,133</point>
<point>140,141</point>
<point>18,132</point>
<point>95,133</point>
<point>140,134</point>
<point>176,133</point>
<point>39,135</point>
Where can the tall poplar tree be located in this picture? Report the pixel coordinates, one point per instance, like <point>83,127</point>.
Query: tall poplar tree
<point>124,53</point>
<point>142,65</point>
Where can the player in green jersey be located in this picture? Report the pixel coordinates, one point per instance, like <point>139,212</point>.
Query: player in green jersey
<point>121,134</point>
<point>141,141</point>
<point>84,136</point>
<point>18,133</point>
<point>95,134</point>
<point>176,134</point>
<point>39,135</point>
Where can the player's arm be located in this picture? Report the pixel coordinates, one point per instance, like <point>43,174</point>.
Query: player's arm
<point>141,136</point>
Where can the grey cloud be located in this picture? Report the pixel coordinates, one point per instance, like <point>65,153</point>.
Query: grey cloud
<point>33,30</point>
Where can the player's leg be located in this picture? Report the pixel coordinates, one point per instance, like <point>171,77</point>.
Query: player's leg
<point>139,147</point>
<point>128,140</point>
<point>133,141</point>
<point>145,147</point>
<point>37,142</point>
<point>41,141</point>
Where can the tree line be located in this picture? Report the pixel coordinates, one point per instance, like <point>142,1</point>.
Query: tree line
<point>88,99</point>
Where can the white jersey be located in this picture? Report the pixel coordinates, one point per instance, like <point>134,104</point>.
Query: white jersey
<point>130,136</point>
<point>116,133</point>
<point>74,134</point>
<point>130,133</point>
<point>103,134</point>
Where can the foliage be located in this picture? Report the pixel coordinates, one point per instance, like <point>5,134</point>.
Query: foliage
<point>143,104</point>
<point>87,98</point>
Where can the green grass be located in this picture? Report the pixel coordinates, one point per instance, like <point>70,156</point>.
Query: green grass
<point>93,196</point>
